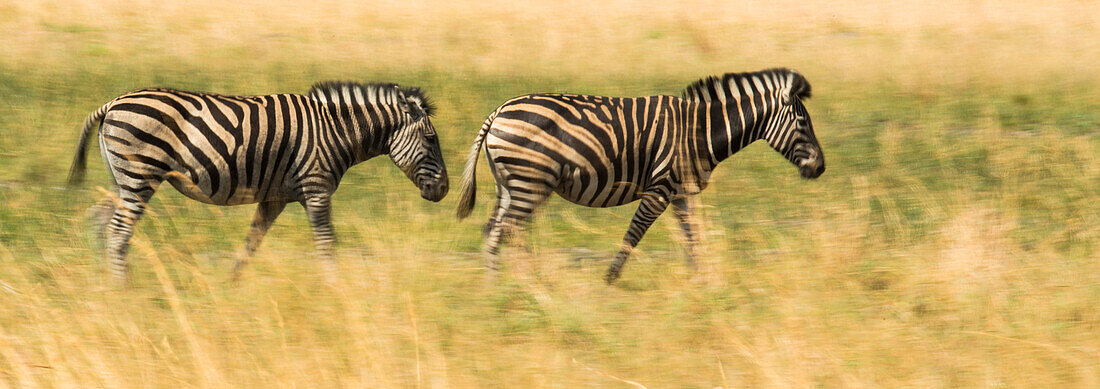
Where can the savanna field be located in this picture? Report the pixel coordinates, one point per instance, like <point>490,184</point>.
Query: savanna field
<point>952,241</point>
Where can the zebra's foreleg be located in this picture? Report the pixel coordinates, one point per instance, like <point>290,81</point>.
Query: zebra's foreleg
<point>266,213</point>
<point>319,210</point>
<point>652,206</point>
<point>681,206</point>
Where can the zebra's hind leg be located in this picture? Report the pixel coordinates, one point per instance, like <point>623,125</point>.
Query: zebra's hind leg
<point>266,213</point>
<point>494,235</point>
<point>652,206</point>
<point>132,199</point>
<point>99,215</point>
<point>492,218</point>
<point>513,211</point>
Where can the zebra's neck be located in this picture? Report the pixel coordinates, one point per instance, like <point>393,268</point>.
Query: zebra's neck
<point>736,109</point>
<point>725,127</point>
<point>360,120</point>
<point>352,136</point>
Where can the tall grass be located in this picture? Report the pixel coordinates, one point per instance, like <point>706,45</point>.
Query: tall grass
<point>952,241</point>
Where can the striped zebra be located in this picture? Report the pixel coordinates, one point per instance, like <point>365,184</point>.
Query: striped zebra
<point>271,150</point>
<point>608,151</point>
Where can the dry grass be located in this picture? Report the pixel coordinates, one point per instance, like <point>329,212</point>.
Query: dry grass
<point>904,40</point>
<point>952,243</point>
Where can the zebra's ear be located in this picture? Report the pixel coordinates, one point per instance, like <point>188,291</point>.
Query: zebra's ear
<point>413,106</point>
<point>410,104</point>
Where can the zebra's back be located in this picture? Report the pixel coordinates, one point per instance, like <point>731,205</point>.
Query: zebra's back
<point>217,149</point>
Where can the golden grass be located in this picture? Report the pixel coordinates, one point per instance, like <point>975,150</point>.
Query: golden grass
<point>966,307</point>
<point>908,41</point>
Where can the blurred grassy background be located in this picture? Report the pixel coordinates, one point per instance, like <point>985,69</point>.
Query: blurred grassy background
<point>952,242</point>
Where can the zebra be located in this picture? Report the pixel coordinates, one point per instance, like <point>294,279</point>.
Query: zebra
<point>271,150</point>
<point>601,151</point>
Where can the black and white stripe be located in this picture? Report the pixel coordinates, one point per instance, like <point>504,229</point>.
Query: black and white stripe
<point>271,150</point>
<point>607,151</point>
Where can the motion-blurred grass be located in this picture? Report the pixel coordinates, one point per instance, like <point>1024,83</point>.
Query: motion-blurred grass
<point>951,243</point>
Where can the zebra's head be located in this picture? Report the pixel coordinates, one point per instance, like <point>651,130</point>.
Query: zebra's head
<point>766,105</point>
<point>414,145</point>
<point>791,132</point>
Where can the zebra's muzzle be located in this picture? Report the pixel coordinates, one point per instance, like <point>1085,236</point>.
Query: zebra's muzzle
<point>434,189</point>
<point>812,169</point>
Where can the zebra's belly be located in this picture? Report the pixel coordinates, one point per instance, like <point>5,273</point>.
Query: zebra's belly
<point>589,191</point>
<point>189,187</point>
<point>610,201</point>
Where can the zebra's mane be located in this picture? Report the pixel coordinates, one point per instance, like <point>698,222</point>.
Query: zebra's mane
<point>372,91</point>
<point>709,88</point>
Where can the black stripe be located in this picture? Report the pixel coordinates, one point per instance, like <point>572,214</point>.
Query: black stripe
<point>116,139</point>
<point>253,138</point>
<point>143,159</point>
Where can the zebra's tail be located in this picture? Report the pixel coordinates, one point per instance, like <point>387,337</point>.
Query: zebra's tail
<point>469,182</point>
<point>76,172</point>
